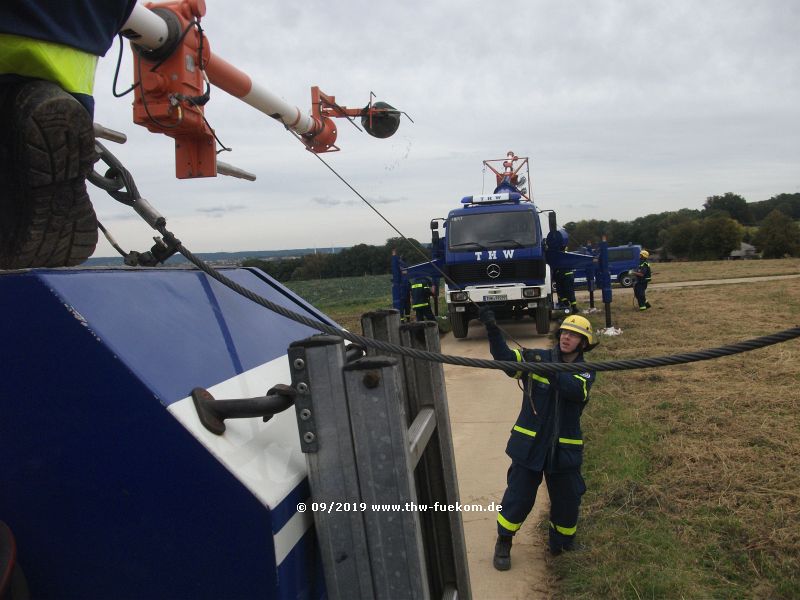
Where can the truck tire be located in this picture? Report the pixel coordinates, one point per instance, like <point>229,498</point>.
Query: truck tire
<point>459,323</point>
<point>542,319</point>
<point>625,279</point>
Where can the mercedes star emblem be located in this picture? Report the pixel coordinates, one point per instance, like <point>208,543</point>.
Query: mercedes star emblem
<point>493,271</point>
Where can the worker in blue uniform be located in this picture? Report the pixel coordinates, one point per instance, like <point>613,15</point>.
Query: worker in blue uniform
<point>401,287</point>
<point>546,440</point>
<point>48,55</point>
<point>643,276</point>
<point>565,288</point>
<point>422,292</point>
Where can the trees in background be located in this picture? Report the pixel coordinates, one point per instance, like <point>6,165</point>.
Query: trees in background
<point>358,260</point>
<point>778,236</point>
<point>708,234</point>
<point>730,205</point>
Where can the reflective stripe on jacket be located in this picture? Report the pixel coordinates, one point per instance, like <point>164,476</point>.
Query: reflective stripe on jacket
<point>644,269</point>
<point>420,295</point>
<point>73,70</point>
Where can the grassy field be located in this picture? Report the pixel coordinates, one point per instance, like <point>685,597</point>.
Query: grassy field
<point>347,297</point>
<point>693,471</point>
<point>722,269</point>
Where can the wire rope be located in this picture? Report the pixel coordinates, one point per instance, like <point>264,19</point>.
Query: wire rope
<point>508,366</point>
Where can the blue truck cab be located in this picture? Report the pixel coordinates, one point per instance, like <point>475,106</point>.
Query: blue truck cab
<point>492,251</point>
<point>493,254</point>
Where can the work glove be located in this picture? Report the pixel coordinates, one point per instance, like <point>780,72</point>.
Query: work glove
<point>486,316</point>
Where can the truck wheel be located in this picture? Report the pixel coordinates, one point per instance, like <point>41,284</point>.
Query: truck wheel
<point>459,323</point>
<point>542,319</point>
<point>625,279</point>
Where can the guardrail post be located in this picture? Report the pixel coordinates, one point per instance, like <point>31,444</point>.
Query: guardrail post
<point>436,474</point>
<point>380,437</point>
<point>383,325</point>
<point>325,437</point>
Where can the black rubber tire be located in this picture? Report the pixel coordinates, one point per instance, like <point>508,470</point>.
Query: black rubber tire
<point>459,323</point>
<point>542,316</point>
<point>625,279</point>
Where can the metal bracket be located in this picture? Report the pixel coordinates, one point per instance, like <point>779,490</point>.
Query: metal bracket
<point>212,412</point>
<point>303,404</point>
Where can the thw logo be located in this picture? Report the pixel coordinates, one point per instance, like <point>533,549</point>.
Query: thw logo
<point>492,255</point>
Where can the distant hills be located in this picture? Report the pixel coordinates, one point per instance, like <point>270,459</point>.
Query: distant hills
<point>220,257</point>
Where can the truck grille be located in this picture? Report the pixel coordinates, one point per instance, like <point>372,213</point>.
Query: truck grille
<point>475,273</point>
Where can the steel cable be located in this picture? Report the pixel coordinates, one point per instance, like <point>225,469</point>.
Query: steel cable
<point>508,366</point>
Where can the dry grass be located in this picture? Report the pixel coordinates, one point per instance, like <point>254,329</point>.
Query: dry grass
<point>722,269</point>
<point>693,471</point>
<point>701,497</point>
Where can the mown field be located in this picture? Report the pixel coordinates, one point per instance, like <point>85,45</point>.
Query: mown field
<point>722,269</point>
<point>693,471</point>
<point>346,298</point>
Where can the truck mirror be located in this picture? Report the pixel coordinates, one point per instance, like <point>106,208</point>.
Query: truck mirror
<point>553,222</point>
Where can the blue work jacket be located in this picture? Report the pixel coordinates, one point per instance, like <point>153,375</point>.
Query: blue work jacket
<point>547,434</point>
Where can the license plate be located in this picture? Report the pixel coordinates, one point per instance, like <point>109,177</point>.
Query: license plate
<point>494,298</point>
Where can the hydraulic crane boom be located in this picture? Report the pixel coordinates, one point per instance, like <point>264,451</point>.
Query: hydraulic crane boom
<point>174,66</point>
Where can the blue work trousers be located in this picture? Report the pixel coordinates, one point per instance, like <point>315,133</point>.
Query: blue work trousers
<point>565,490</point>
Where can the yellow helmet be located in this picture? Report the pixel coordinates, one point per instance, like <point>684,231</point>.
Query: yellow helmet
<point>644,254</point>
<point>581,326</point>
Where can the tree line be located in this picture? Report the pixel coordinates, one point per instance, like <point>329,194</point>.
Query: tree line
<point>709,233</point>
<point>356,261</point>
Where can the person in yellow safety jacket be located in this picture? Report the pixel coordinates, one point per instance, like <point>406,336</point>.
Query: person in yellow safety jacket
<point>421,295</point>
<point>48,56</point>
<point>546,440</point>
<point>643,276</point>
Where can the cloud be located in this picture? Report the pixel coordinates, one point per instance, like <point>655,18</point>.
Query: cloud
<point>328,201</point>
<point>219,211</point>
<point>624,108</point>
<point>384,200</point>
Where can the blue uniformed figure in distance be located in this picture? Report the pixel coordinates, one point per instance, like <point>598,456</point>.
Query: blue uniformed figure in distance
<point>422,292</point>
<point>643,276</point>
<point>401,287</point>
<point>565,287</point>
<point>546,440</point>
<point>48,54</point>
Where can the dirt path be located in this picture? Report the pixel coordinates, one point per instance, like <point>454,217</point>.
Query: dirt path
<point>483,406</point>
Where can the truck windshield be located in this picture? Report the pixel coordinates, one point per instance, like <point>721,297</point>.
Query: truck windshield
<point>491,230</point>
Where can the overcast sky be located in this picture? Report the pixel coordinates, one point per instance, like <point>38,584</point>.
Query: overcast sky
<point>625,108</point>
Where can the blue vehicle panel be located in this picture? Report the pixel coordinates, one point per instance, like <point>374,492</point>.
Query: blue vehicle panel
<point>111,486</point>
<point>622,260</point>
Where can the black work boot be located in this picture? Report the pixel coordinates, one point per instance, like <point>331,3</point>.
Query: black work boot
<point>502,553</point>
<point>46,153</point>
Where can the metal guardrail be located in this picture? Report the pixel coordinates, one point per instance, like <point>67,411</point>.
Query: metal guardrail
<point>376,433</point>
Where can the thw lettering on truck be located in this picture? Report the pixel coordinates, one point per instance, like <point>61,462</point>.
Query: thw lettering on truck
<point>492,254</point>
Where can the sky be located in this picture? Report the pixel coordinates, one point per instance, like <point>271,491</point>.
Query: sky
<point>624,108</point>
